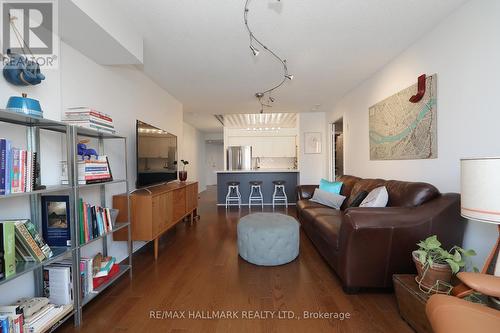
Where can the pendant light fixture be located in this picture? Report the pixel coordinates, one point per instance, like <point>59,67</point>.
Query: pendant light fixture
<point>265,99</point>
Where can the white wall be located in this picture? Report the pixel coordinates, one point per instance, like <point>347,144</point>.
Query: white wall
<point>464,52</point>
<point>214,161</point>
<point>126,94</point>
<point>312,167</point>
<point>193,150</point>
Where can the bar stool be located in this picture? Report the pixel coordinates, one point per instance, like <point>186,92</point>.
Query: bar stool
<point>233,194</point>
<point>255,193</point>
<point>279,194</point>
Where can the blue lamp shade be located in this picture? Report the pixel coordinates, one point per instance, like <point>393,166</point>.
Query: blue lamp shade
<point>25,105</point>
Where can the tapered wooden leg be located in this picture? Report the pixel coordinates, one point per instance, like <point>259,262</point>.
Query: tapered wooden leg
<point>156,248</point>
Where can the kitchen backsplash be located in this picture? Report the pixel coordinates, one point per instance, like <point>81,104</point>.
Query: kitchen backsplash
<point>274,162</point>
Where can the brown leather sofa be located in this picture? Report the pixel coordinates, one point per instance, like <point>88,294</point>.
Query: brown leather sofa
<point>366,246</point>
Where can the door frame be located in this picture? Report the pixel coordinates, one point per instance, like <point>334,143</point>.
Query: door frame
<point>332,148</point>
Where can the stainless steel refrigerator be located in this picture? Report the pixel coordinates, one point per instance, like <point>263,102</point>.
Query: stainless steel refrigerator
<point>239,158</point>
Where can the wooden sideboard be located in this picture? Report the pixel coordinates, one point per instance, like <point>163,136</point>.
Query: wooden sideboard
<point>156,209</point>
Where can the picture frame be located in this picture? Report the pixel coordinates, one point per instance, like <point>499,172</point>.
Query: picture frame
<point>312,143</point>
<point>56,220</point>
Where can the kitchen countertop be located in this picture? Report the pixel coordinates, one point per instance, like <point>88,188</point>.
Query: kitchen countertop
<point>258,171</point>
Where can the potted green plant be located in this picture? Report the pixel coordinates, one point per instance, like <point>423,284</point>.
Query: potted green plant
<point>436,266</point>
<point>183,173</point>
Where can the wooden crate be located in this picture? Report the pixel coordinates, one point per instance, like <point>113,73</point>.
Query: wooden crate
<point>411,302</point>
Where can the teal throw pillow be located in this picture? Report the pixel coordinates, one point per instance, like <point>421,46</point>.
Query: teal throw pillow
<point>332,187</point>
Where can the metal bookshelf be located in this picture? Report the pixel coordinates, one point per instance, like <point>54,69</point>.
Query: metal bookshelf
<point>33,126</point>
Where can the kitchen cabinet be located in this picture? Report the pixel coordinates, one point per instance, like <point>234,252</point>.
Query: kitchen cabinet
<point>267,146</point>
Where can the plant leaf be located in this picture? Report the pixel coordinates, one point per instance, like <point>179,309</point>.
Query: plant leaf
<point>422,256</point>
<point>453,265</point>
<point>457,257</point>
<point>432,242</point>
<point>469,252</point>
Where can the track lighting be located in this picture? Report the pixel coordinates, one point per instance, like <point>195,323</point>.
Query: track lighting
<point>255,51</point>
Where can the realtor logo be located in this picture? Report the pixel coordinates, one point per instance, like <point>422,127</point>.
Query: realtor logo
<point>29,28</point>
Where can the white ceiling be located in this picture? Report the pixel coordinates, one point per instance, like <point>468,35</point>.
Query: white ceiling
<point>198,50</point>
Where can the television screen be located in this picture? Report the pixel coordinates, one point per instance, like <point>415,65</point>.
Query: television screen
<point>156,155</point>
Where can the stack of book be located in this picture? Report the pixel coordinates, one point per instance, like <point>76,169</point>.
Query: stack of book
<point>89,118</point>
<point>89,171</point>
<point>30,245</point>
<point>96,271</point>
<point>39,315</point>
<point>58,283</point>
<point>95,221</point>
<point>18,169</point>
<point>103,269</point>
<point>11,319</point>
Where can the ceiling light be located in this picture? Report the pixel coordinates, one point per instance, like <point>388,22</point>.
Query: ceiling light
<point>255,51</point>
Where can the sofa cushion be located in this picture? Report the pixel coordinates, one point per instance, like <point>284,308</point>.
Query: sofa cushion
<point>314,213</point>
<point>328,227</point>
<point>376,198</point>
<point>307,204</point>
<point>409,194</point>
<point>364,185</point>
<point>348,183</point>
<point>329,199</point>
<point>328,186</point>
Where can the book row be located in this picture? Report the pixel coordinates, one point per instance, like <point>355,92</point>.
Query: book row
<point>90,171</point>
<point>18,169</point>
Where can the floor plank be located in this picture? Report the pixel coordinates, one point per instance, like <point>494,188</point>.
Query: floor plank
<point>199,270</point>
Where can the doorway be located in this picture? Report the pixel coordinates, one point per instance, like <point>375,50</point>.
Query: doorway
<point>214,152</point>
<point>337,154</point>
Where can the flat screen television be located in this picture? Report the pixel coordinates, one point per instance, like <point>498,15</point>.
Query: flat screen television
<point>156,155</point>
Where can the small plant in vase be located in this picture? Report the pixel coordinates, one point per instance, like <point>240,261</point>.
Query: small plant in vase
<point>183,173</point>
<point>436,266</point>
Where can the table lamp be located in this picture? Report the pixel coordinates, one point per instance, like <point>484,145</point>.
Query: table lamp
<point>480,190</point>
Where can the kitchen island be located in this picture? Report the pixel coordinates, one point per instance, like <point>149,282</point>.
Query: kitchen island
<point>267,176</point>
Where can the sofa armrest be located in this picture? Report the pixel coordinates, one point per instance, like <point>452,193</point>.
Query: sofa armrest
<point>377,242</point>
<point>484,283</point>
<point>306,191</point>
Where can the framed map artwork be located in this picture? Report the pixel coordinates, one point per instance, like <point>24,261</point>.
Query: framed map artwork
<point>402,130</point>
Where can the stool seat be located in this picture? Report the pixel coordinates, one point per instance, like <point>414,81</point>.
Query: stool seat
<point>233,183</point>
<point>279,182</point>
<point>255,182</point>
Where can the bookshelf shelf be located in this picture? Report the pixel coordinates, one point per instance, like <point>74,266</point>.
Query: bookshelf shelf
<point>26,267</point>
<point>117,181</point>
<point>70,136</point>
<point>117,227</point>
<point>15,118</point>
<point>49,189</point>
<point>123,269</point>
<point>96,134</point>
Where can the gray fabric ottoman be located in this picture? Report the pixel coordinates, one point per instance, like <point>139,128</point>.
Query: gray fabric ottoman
<point>268,239</point>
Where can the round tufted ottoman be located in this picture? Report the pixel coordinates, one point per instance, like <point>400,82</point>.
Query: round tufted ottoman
<point>268,239</point>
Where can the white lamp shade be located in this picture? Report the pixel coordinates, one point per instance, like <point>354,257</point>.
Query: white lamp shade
<point>480,183</point>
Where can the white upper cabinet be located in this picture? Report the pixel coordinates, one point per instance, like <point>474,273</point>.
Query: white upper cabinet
<point>267,146</point>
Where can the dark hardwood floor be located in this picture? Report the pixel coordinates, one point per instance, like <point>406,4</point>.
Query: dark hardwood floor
<point>199,270</point>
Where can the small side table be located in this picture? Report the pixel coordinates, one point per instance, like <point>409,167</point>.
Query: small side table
<point>411,302</point>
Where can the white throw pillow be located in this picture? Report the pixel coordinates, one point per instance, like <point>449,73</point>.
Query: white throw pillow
<point>378,197</point>
<point>328,198</point>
